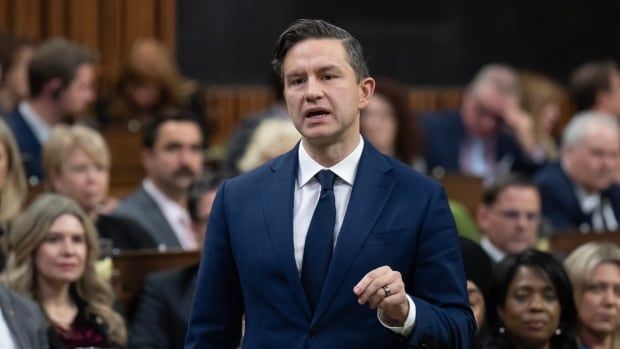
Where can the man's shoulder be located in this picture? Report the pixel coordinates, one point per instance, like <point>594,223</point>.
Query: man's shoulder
<point>25,307</point>
<point>550,175</point>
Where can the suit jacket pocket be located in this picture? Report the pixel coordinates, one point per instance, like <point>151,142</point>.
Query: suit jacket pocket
<point>387,238</point>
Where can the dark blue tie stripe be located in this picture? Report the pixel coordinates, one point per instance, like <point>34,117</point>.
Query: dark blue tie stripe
<point>320,240</point>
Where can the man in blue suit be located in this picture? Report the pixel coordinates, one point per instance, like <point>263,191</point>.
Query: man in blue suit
<point>61,79</point>
<point>331,245</point>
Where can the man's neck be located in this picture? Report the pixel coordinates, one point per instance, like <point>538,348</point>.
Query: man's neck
<point>46,111</point>
<point>329,155</point>
<point>179,197</point>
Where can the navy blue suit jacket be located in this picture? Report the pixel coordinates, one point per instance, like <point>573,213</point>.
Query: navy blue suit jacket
<point>444,132</point>
<point>29,146</point>
<point>559,200</point>
<point>395,217</point>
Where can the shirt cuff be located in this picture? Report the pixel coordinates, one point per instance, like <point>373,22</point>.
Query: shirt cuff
<point>407,327</point>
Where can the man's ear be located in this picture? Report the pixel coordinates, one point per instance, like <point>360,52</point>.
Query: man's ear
<point>482,216</point>
<point>53,88</point>
<point>367,89</point>
<point>146,155</point>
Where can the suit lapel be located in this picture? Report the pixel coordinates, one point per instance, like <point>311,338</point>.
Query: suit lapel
<point>372,187</point>
<point>8,311</point>
<point>278,199</point>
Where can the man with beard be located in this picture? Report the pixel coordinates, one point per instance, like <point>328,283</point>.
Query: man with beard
<point>172,158</point>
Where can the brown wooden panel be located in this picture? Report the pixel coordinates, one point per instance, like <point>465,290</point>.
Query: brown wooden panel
<point>28,18</point>
<point>112,45</point>
<point>83,22</point>
<point>167,15</point>
<point>131,267</point>
<point>56,24</point>
<point>466,190</point>
<point>566,242</point>
<point>140,21</point>
<point>4,16</point>
<point>126,170</point>
<point>421,99</point>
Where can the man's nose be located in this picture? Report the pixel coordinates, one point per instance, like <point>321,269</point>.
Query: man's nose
<point>314,89</point>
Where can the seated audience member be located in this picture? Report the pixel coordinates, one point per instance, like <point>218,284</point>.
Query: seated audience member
<point>22,324</point>
<point>509,217</point>
<point>172,158</point>
<point>478,269</point>
<point>161,317</point>
<point>488,136</point>
<point>77,162</point>
<point>239,140</point>
<point>530,305</point>
<point>272,137</point>
<point>15,55</point>
<point>541,98</point>
<point>595,86</point>
<point>594,270</point>
<point>53,249</point>
<point>150,84</point>
<point>13,188</point>
<point>579,192</point>
<point>387,123</point>
<point>61,78</point>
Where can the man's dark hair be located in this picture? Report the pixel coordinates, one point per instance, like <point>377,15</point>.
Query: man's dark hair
<point>304,29</point>
<point>588,80</point>
<point>150,133</point>
<point>492,192</point>
<point>56,59</point>
<point>207,182</point>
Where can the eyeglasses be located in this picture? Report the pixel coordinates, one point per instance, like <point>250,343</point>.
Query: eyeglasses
<point>515,215</point>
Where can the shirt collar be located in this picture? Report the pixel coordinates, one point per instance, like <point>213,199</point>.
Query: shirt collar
<point>493,251</point>
<point>39,127</point>
<point>346,169</point>
<point>169,207</point>
<point>587,202</point>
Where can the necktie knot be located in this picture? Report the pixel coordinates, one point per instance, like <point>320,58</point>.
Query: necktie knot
<point>326,178</point>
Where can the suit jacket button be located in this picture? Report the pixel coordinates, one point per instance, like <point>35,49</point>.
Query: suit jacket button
<point>314,332</point>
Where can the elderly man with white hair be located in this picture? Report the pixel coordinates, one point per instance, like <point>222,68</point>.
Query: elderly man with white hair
<point>580,192</point>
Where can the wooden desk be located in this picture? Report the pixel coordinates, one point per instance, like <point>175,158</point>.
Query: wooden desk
<point>565,243</point>
<point>130,268</point>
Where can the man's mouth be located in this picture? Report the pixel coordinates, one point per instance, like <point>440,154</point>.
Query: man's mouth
<point>316,113</point>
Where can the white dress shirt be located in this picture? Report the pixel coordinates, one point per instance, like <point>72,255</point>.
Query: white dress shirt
<point>6,338</point>
<point>493,251</point>
<point>176,215</point>
<point>39,127</point>
<point>307,192</point>
<point>603,216</point>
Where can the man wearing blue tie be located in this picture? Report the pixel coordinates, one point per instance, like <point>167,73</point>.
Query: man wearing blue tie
<point>331,245</point>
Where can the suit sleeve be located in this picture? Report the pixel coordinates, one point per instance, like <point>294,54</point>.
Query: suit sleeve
<point>215,320</point>
<point>439,289</point>
<point>150,324</point>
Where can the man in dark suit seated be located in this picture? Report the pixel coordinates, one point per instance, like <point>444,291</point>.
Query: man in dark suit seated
<point>489,136</point>
<point>172,158</point>
<point>509,217</point>
<point>332,244</point>
<point>580,191</point>
<point>160,319</point>
<point>61,78</point>
<point>22,324</point>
